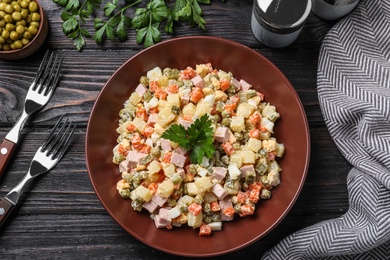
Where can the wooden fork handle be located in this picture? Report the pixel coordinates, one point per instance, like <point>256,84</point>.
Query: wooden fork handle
<point>6,208</point>
<point>7,149</point>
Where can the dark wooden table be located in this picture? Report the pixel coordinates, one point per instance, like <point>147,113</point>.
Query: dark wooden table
<point>62,218</point>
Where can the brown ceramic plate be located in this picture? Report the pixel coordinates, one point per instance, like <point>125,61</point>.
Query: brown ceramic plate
<point>244,63</point>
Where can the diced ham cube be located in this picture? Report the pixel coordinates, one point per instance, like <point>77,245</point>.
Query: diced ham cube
<point>219,173</point>
<point>219,191</point>
<point>222,134</point>
<point>236,84</point>
<point>198,81</point>
<point>140,156</point>
<point>178,159</point>
<point>160,201</point>
<point>162,219</point>
<point>246,168</point>
<point>184,100</point>
<point>141,89</point>
<point>150,206</point>
<point>181,150</point>
<point>131,159</point>
<point>152,119</point>
<point>226,204</point>
<point>123,166</point>
<point>181,172</point>
<point>165,144</point>
<point>245,85</point>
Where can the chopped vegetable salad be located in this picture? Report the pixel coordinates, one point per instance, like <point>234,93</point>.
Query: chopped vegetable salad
<point>196,148</point>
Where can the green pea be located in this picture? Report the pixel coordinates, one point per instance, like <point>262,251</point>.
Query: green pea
<point>9,9</point>
<point>35,17</point>
<point>25,41</point>
<point>18,44</point>
<point>8,18</point>
<point>10,27</point>
<point>33,6</point>
<point>17,16</point>
<point>20,29</point>
<point>5,34</point>
<point>24,4</point>
<point>32,29</point>
<point>14,35</point>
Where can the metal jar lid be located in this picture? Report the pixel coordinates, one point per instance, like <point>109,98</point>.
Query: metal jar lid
<point>282,16</point>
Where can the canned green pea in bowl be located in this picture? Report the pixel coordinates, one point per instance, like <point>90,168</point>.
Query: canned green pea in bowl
<point>23,28</point>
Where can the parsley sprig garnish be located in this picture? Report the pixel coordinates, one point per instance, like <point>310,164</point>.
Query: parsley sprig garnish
<point>197,138</point>
<point>148,19</point>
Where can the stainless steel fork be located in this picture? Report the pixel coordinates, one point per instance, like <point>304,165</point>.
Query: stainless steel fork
<point>46,157</point>
<point>38,95</point>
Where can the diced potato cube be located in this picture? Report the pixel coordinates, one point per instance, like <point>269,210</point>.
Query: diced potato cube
<point>166,188</point>
<point>248,157</point>
<point>122,127</point>
<point>234,172</point>
<point>237,124</point>
<point>173,100</point>
<point>135,98</point>
<point>169,169</point>
<point>274,166</point>
<point>162,104</point>
<point>154,74</point>
<point>158,129</point>
<point>254,144</point>
<point>236,159</point>
<point>270,112</point>
<point>273,178</point>
<point>192,189</point>
<point>215,82</point>
<point>203,184</point>
<point>265,135</point>
<point>139,123</point>
<point>203,107</point>
<point>143,193</point>
<point>207,91</point>
<point>163,81</point>
<point>189,110</point>
<point>279,150</point>
<point>194,221</point>
<point>245,110</point>
<point>232,188</point>
<point>165,117</point>
<point>270,145</point>
<point>202,69</point>
<point>154,167</point>
<point>220,96</point>
<point>186,200</point>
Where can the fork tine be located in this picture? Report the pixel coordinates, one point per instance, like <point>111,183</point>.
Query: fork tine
<point>51,83</point>
<point>40,70</point>
<point>58,141</point>
<point>44,71</point>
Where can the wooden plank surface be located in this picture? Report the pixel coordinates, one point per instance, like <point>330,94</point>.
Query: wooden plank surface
<point>62,218</point>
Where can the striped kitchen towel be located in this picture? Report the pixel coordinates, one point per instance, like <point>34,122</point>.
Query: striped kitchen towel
<point>353,84</point>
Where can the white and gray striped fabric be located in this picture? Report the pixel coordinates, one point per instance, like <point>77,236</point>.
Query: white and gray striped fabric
<point>353,83</point>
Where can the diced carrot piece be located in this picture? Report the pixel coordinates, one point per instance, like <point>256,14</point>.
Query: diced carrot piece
<point>148,131</point>
<point>153,187</point>
<point>214,206</point>
<point>229,212</point>
<point>167,157</point>
<point>136,141</point>
<point>230,107</point>
<point>131,128</point>
<point>242,196</point>
<point>263,129</point>
<point>161,94</point>
<point>187,118</point>
<point>255,133</point>
<point>122,150</point>
<point>246,209</point>
<point>188,73</point>
<point>195,208</point>
<point>153,110</point>
<point>255,118</point>
<point>204,230</point>
<point>145,148</point>
<point>254,195</point>
<point>196,94</point>
<point>141,113</point>
<point>224,84</point>
<point>228,148</point>
<point>255,185</point>
<point>173,88</point>
<point>153,86</point>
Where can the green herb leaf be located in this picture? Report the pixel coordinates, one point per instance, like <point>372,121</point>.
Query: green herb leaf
<point>198,138</point>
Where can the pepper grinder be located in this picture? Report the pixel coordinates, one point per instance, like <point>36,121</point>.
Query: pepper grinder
<point>333,9</point>
<point>278,23</point>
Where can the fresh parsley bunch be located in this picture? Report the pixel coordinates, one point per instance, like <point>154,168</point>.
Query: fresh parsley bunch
<point>147,20</point>
<point>197,138</point>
